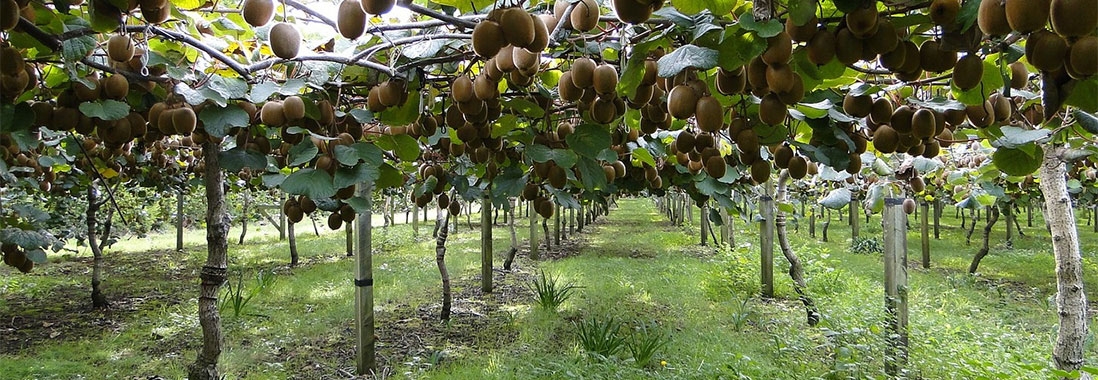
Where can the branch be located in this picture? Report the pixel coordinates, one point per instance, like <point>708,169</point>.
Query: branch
<point>560,24</point>
<point>368,53</point>
<point>430,61</point>
<point>312,12</point>
<point>451,20</point>
<point>321,57</point>
<point>168,35</point>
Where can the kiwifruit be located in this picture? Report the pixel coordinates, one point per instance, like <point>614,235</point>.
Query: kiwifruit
<point>391,92</point>
<point>968,71</point>
<point>488,38</point>
<point>116,86</point>
<point>857,105</point>
<point>518,27</point>
<point>517,80</point>
<point>583,71</point>
<point>351,19</point>
<point>1019,75</point>
<point>894,60</point>
<point>730,82</point>
<point>559,7</point>
<point>760,171</point>
<point>682,102</point>
<point>992,18</point>
<point>546,208</point>
<point>1073,18</point>
<point>462,89</point>
<point>293,108</point>
<point>848,48</point>
<point>909,206</point>
<point>651,73</point>
<point>271,114</point>
<point>633,11</point>
<point>585,16</point>
<point>9,15</point>
<point>11,61</point>
<point>1083,57</point>
<point>779,77</point>
<point>945,139</point>
<point>156,15</point>
<point>778,49</point>
<point>885,40</point>
<point>901,119</point>
<point>944,12</point>
<point>605,79</point>
<point>335,221</point>
<point>373,100</point>
<point>1046,51</point>
<point>821,48</point>
<point>257,12</point>
<point>923,124</point>
<point>184,120</point>
<point>378,7</point>
<point>782,156</point>
<point>567,88</point>
<point>715,166</point>
<point>710,114</point>
<point>935,59</point>
<point>120,48</point>
<point>885,139</point>
<point>285,40</point>
<point>862,22</point>
<point>557,177</point>
<point>65,118</point>
<point>541,33</point>
<point>685,141</point>
<point>603,110</point>
<point>981,115</point>
<point>756,73</point>
<point>1025,16</point>
<point>802,33</point>
<point>798,167</point>
<point>295,214</point>
<point>772,110</point>
<point>881,111</point>
<point>1000,106</point>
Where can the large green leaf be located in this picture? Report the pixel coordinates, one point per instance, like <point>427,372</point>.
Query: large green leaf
<point>360,173</point>
<point>1084,95</point>
<point>717,7</point>
<point>836,199</point>
<point>105,109</point>
<point>685,57</point>
<point>801,11</point>
<point>1014,137</point>
<point>591,174</point>
<point>1088,121</point>
<point>217,120</point>
<point>738,48</point>
<point>405,147</point>
<point>765,29</point>
<point>1019,161</point>
<point>588,140</point>
<point>301,153</point>
<point>237,158</point>
<point>315,184</point>
<point>541,153</point>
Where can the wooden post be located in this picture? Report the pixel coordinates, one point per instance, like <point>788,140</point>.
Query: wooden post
<point>571,221</point>
<point>937,219</point>
<point>895,268</point>
<point>179,221</point>
<point>925,222</point>
<point>726,232</point>
<point>556,225</point>
<point>486,244</point>
<point>533,231</point>
<point>704,219</point>
<point>854,227</point>
<point>766,243</point>
<point>350,238</point>
<point>364,287</point>
<point>415,220</point>
<point>281,217</point>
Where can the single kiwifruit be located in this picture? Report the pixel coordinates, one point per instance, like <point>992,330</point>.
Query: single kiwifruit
<point>909,206</point>
<point>257,12</point>
<point>912,64</point>
<point>931,149</point>
<point>685,141</point>
<point>782,156</point>
<point>802,33</point>
<point>378,7</point>
<point>1083,57</point>
<point>682,102</point>
<point>710,114</point>
<point>285,40</point>
<point>585,16</point>
<point>1073,18</point>
<point>518,27</point>
<point>894,60</point>
<point>559,7</point>
<point>488,38</point>
<point>944,12</point>
<point>156,15</point>
<point>530,191</point>
<point>945,139</point>
<point>772,110</point>
<point>120,48</point>
<point>391,92</point>
<point>885,40</point>
<point>335,221</point>
<point>992,18</point>
<point>88,93</point>
<point>756,73</point>
<point>116,86</point>
<point>935,59</point>
<point>605,79</point>
<point>778,49</point>
<point>11,61</point>
<point>293,108</point>
<point>557,177</point>
<point>857,105</point>
<point>1000,106</point>
<point>798,167</point>
<point>1019,75</point>
<point>848,49</point>
<point>184,120</point>
<point>923,124</point>
<point>541,33</point>
<point>9,14</point>
<point>901,119</point>
<point>885,139</point>
<point>271,114</point>
<point>1048,51</point>
<point>603,110</point>
<point>351,19</point>
<point>373,100</point>
<point>981,115</point>
<point>633,11</point>
<point>619,169</point>
<point>862,21</point>
<point>779,77</point>
<point>760,171</point>
<point>731,82</point>
<point>821,48</point>
<point>347,213</point>
<point>715,166</point>
<point>583,71</point>
<point>567,88</point>
<point>1025,16</point>
<point>462,89</point>
<point>968,71</point>
<point>881,111</point>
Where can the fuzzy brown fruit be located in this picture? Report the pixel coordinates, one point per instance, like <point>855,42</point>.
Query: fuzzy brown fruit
<point>285,40</point>
<point>772,110</point>
<point>1083,56</point>
<point>488,38</point>
<point>293,108</point>
<point>351,19</point>
<point>992,18</point>
<point>968,72</point>
<point>682,102</point>
<point>798,167</point>
<point>120,48</point>
<point>585,16</point>
<point>909,206</point>
<point>944,12</point>
<point>760,171</point>
<point>378,7</point>
<point>1025,16</point>
<point>518,27</point>
<point>258,12</point>
<point>1073,18</point>
<point>583,72</point>
<point>605,79</point>
<point>709,114</point>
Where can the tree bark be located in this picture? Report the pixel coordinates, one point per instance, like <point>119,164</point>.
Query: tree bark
<point>510,215</point>
<point>179,221</point>
<point>107,223</point>
<point>796,270</point>
<point>937,219</point>
<point>244,216</point>
<point>766,243</point>
<point>1008,212</point>
<point>992,217</point>
<point>214,271</point>
<point>99,301</point>
<point>533,239</point>
<point>548,236</point>
<point>293,244</point>
<point>971,226</point>
<point>440,260</point>
<point>1071,300</point>
<point>486,244</point>
<point>925,232</point>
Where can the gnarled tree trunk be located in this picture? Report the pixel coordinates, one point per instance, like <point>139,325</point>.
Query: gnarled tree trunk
<point>796,270</point>
<point>214,271</point>
<point>440,260</point>
<point>99,301</point>
<point>992,217</point>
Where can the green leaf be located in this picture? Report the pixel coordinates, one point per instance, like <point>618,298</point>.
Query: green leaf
<point>237,158</point>
<point>362,115</point>
<point>27,239</point>
<point>315,184</point>
<point>75,49</point>
<point>524,107</point>
<point>390,177</point>
<point>362,172</point>
<point>715,217</point>
<point>1088,121</point>
<point>685,57</point>
<point>1084,95</point>
<point>588,140</point>
<point>989,82</point>
<point>404,114</point>
<point>1014,137</point>
<point>644,156</point>
<point>765,29</point>
<point>105,109</point>
<point>301,153</point>
<point>403,146</point>
<point>608,155</point>
<point>591,174</point>
<point>969,10</point>
<point>717,7</point>
<point>738,48</point>
<point>836,199</point>
<point>1018,161</point>
<point>16,117</point>
<point>801,11</point>
<point>217,120</point>
<point>368,153</point>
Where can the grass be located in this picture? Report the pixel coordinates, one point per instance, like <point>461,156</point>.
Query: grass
<point>633,268</point>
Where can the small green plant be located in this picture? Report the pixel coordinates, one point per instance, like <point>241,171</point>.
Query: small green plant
<point>644,343</point>
<point>236,297</point>
<point>600,336</point>
<point>866,246</point>
<point>742,315</point>
<point>550,292</point>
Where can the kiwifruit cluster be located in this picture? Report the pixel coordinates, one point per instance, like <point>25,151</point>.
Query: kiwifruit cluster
<point>285,40</point>
<point>16,76</point>
<point>15,257</point>
<point>771,77</point>
<point>475,106</point>
<point>542,204</point>
<point>584,17</point>
<point>527,34</point>
<point>594,87</point>
<point>649,97</point>
<point>699,152</point>
<point>427,171</point>
<point>1071,45</point>
<point>903,129</point>
<point>634,11</point>
<point>390,93</point>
